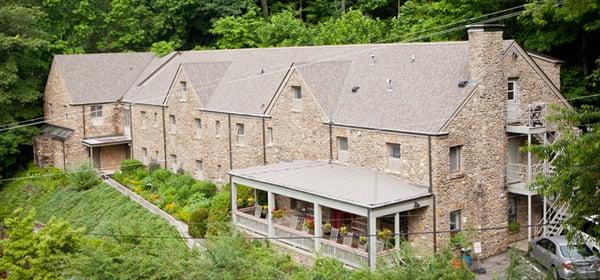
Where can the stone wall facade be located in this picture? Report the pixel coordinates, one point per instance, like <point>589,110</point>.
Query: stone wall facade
<point>208,144</point>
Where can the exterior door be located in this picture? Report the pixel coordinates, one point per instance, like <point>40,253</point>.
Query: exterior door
<point>512,102</point>
<point>127,121</point>
<point>96,157</point>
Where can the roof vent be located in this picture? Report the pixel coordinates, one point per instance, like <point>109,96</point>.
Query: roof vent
<point>355,88</point>
<point>262,71</point>
<point>412,58</point>
<point>372,59</point>
<point>389,88</point>
<point>462,84</point>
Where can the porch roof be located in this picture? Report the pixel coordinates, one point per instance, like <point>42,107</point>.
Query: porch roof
<point>353,185</point>
<point>106,140</point>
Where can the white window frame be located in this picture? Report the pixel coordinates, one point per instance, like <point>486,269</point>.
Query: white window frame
<point>183,91</point>
<point>514,89</point>
<point>239,134</point>
<point>96,113</point>
<point>393,162</point>
<point>199,169</point>
<point>198,128</point>
<point>455,224</point>
<point>269,136</point>
<point>297,98</point>
<point>455,165</point>
<point>172,124</point>
<point>173,160</point>
<point>143,119</point>
<point>145,155</point>
<point>342,154</point>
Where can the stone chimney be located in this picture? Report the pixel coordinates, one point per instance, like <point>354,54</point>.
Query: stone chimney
<point>485,62</point>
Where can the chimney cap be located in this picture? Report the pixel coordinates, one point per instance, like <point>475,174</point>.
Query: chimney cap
<point>485,27</point>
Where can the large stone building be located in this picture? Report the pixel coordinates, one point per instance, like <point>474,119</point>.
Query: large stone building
<point>440,121</point>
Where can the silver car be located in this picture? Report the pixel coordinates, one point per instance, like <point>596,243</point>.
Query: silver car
<point>564,261</point>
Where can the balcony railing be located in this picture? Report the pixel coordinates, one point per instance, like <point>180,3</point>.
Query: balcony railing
<point>294,238</point>
<point>350,256</point>
<point>517,172</point>
<point>252,223</point>
<point>531,115</point>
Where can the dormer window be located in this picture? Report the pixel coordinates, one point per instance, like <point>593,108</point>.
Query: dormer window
<point>182,91</point>
<point>297,98</point>
<point>511,92</point>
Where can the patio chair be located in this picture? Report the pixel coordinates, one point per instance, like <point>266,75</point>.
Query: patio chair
<point>333,235</point>
<point>300,224</point>
<point>258,211</point>
<point>292,221</point>
<point>358,227</point>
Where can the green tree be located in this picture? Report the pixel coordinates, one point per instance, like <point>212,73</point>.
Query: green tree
<point>574,157</point>
<point>23,64</point>
<point>351,28</point>
<point>44,254</point>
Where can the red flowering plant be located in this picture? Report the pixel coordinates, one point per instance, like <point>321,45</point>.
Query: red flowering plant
<point>309,224</point>
<point>278,213</point>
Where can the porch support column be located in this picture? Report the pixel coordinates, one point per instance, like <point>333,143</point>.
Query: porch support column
<point>372,232</point>
<point>233,201</point>
<point>271,206</point>
<point>545,202</point>
<point>318,226</point>
<point>397,230</point>
<point>545,212</point>
<point>529,225</point>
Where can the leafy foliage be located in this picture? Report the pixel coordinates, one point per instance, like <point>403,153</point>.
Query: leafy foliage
<point>83,177</point>
<point>28,254</point>
<point>198,222</point>
<point>576,175</point>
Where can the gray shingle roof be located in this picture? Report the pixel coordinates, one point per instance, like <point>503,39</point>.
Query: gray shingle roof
<point>424,93</point>
<point>99,78</point>
<point>353,185</point>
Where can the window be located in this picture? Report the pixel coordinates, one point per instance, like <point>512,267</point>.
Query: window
<point>145,156</point>
<point>66,112</point>
<point>198,124</point>
<point>96,114</point>
<point>156,155</point>
<point>219,173</point>
<point>182,91</point>
<point>173,122</point>
<point>143,119</point>
<point>512,89</point>
<point>174,166</point>
<point>342,149</point>
<point>512,209</point>
<point>297,98</point>
<point>199,173</point>
<point>269,136</point>
<point>218,128</point>
<point>393,160</point>
<point>239,127</point>
<point>455,220</point>
<point>155,120</point>
<point>455,159</point>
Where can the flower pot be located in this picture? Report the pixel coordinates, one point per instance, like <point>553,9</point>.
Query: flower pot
<point>347,240</point>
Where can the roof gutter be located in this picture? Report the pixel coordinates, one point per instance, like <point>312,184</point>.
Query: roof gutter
<point>233,113</point>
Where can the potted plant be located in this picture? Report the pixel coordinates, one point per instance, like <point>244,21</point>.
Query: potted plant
<point>346,236</point>
<point>326,228</point>
<point>362,243</point>
<point>309,225</point>
<point>278,214</point>
<point>342,234</point>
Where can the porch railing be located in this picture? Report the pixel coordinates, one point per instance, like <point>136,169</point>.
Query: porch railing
<point>531,115</point>
<point>252,223</point>
<point>295,238</point>
<point>518,172</point>
<point>389,257</point>
<point>348,255</point>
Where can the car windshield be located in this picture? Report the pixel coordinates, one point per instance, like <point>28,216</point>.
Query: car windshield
<point>576,252</point>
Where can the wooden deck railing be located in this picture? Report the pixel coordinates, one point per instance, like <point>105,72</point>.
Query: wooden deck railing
<point>252,223</point>
<point>295,238</point>
<point>348,255</point>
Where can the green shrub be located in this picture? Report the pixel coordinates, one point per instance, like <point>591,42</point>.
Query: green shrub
<point>129,166</point>
<point>83,177</point>
<point>161,175</point>
<point>218,214</point>
<point>153,166</point>
<point>207,188</point>
<point>197,223</point>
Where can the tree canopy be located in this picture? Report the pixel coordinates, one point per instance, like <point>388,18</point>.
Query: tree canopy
<point>31,31</point>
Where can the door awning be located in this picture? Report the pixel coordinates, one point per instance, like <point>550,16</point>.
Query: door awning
<point>106,141</point>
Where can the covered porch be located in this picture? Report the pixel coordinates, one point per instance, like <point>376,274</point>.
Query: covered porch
<point>106,153</point>
<point>355,215</point>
